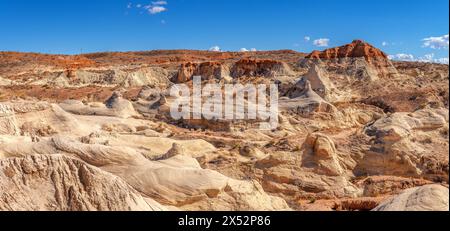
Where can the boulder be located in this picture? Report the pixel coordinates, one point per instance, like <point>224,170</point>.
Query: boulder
<point>321,155</point>
<point>424,198</point>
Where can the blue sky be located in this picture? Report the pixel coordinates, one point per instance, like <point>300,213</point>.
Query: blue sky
<point>399,27</point>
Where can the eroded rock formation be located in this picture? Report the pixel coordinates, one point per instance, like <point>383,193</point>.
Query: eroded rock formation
<point>355,131</point>
<point>425,198</point>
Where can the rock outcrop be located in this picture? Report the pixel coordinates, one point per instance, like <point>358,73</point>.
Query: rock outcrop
<point>117,77</point>
<point>425,198</point>
<point>178,181</point>
<point>8,123</point>
<point>260,68</point>
<point>320,154</point>
<point>304,101</point>
<point>356,49</point>
<point>116,105</point>
<point>404,145</point>
<point>206,70</point>
<point>319,82</point>
<point>358,60</point>
<point>59,183</point>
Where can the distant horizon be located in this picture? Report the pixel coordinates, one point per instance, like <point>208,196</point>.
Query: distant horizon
<point>258,51</point>
<point>136,51</point>
<point>412,30</point>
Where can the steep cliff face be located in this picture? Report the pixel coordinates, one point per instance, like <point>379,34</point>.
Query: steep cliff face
<point>207,70</point>
<point>260,68</point>
<point>242,68</point>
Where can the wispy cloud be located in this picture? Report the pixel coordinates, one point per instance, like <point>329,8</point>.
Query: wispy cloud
<point>160,3</point>
<point>307,38</point>
<point>152,8</point>
<point>436,42</point>
<point>384,44</point>
<point>322,42</point>
<point>428,58</point>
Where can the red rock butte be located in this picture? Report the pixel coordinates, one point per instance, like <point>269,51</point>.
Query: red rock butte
<point>356,49</point>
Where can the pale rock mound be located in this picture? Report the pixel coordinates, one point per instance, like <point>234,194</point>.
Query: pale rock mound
<point>176,150</point>
<point>155,147</point>
<point>178,181</point>
<point>321,155</point>
<point>320,83</point>
<point>408,144</point>
<point>115,106</point>
<point>305,101</point>
<point>123,77</point>
<point>59,183</point>
<point>425,198</point>
<point>43,119</point>
<point>116,76</point>
<point>23,106</point>
<point>316,170</point>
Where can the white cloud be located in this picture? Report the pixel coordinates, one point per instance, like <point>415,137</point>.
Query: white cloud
<point>436,42</point>
<point>156,7</point>
<point>129,5</point>
<point>322,42</point>
<point>307,38</point>
<point>384,44</point>
<point>138,5</point>
<point>442,60</point>
<point>247,50</point>
<point>428,58</point>
<point>215,48</point>
<point>160,3</point>
<point>402,57</point>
